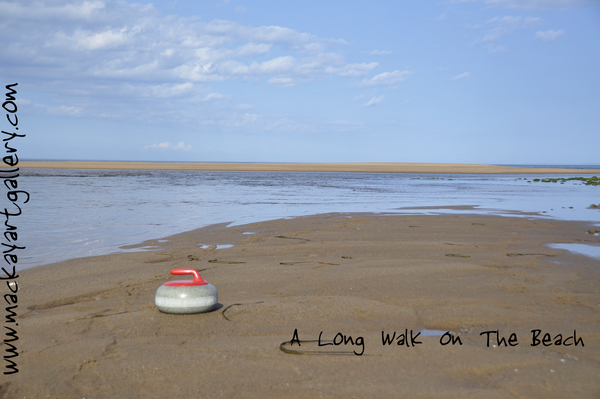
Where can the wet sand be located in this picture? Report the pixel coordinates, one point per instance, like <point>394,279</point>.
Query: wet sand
<point>371,167</point>
<point>89,328</point>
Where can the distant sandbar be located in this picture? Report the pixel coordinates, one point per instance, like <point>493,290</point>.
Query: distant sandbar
<point>365,167</point>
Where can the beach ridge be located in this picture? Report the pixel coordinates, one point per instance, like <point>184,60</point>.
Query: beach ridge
<point>357,167</point>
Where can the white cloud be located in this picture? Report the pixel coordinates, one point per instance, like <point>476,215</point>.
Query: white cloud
<point>64,110</point>
<point>353,70</point>
<point>380,52</point>
<point>236,120</point>
<point>531,4</point>
<point>500,26</point>
<point>161,91</point>
<point>249,49</point>
<point>549,35</point>
<point>168,146</point>
<point>506,25</point>
<point>212,96</point>
<point>268,34</point>
<point>538,4</point>
<point>386,78</point>
<point>83,10</point>
<point>56,110</point>
<point>240,10</point>
<point>493,48</point>
<point>373,101</point>
<point>283,82</point>
<point>462,76</point>
<point>515,21</point>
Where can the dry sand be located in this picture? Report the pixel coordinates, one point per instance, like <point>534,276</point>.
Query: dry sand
<point>372,167</point>
<point>89,327</point>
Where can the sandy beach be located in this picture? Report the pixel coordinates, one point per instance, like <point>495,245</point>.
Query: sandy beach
<point>370,167</point>
<point>89,327</point>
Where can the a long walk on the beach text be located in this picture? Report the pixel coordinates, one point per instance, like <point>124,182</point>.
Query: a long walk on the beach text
<point>409,339</point>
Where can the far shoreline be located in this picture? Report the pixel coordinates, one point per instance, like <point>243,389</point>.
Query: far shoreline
<point>354,167</point>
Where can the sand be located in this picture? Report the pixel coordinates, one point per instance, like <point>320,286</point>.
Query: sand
<point>89,328</point>
<point>372,167</point>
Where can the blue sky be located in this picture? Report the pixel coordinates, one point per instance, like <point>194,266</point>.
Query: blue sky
<point>464,81</point>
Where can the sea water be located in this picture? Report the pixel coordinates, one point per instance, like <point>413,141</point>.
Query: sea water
<point>76,213</point>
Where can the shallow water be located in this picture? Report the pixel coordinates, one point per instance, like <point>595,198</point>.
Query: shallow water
<point>592,251</point>
<point>74,213</point>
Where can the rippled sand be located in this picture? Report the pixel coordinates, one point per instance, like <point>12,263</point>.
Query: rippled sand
<point>88,327</point>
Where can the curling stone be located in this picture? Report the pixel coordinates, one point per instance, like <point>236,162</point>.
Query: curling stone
<point>186,296</point>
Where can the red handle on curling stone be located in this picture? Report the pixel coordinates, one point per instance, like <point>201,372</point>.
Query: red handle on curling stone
<point>198,280</point>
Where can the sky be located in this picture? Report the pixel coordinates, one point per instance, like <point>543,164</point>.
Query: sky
<point>454,81</point>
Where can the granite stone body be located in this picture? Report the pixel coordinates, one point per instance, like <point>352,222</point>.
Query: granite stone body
<point>186,299</point>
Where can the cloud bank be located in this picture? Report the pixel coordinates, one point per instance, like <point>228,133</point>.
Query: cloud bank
<point>89,51</point>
